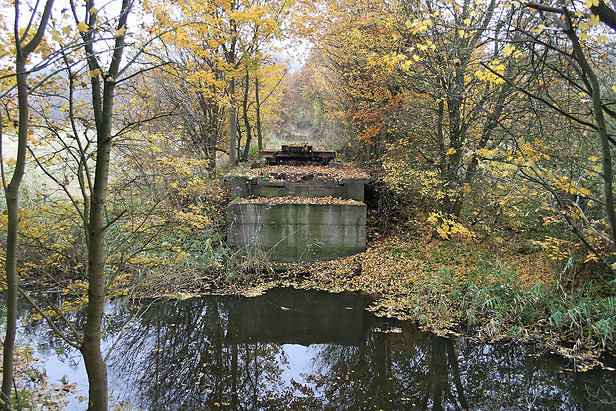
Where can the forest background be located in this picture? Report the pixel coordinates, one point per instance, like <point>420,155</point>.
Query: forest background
<point>487,126</point>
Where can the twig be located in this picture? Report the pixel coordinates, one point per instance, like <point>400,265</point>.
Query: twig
<point>53,326</point>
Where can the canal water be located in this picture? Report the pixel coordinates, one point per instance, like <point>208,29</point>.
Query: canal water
<point>295,349</point>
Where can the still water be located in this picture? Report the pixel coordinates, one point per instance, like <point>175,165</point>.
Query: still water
<point>294,349</point>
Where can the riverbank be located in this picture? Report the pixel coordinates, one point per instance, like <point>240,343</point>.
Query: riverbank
<point>306,349</point>
<point>491,289</point>
<point>32,385</point>
<point>485,290</point>
<point>482,290</point>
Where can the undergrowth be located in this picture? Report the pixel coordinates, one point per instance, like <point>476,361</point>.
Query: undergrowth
<point>492,303</point>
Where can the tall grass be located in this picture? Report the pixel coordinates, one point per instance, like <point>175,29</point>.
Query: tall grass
<point>494,304</point>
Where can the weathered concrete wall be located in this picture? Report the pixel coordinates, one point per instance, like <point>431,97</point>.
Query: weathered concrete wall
<point>298,232</point>
<point>239,185</point>
<point>351,188</point>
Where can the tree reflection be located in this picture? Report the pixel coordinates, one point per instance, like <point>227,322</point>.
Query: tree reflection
<point>392,371</point>
<point>240,353</point>
<point>227,351</point>
<point>187,360</point>
<point>414,370</point>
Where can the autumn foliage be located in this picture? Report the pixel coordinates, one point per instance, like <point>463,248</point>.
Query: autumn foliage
<point>487,129</point>
<point>474,107</point>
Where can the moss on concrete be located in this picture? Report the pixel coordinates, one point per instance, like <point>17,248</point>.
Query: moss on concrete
<point>298,232</point>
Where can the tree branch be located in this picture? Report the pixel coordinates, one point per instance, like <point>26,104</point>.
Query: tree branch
<point>54,327</point>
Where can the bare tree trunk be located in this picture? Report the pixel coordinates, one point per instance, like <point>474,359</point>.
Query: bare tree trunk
<point>233,110</point>
<point>441,139</point>
<point>103,113</point>
<point>12,203</point>
<point>597,109</point>
<point>246,118</point>
<point>207,131</point>
<point>258,107</point>
<point>232,126</point>
<point>238,143</point>
<point>590,78</point>
<point>11,192</point>
<point>90,349</point>
<point>215,112</point>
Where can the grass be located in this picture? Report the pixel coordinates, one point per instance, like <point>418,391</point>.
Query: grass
<point>493,304</point>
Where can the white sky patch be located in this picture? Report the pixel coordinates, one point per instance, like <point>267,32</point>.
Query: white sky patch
<point>294,53</point>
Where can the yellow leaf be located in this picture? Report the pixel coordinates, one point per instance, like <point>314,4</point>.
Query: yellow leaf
<point>11,162</point>
<point>121,31</point>
<point>508,50</point>
<point>593,20</point>
<point>82,27</point>
<point>597,169</point>
<point>591,257</point>
<point>614,88</point>
<point>593,158</point>
<point>584,191</point>
<point>451,151</point>
<point>56,35</point>
<point>590,3</point>
<point>486,153</point>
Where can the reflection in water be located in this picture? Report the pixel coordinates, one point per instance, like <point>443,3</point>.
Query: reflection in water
<point>311,350</point>
<point>233,351</point>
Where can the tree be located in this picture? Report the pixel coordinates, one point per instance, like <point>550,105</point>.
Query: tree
<point>584,62</point>
<point>213,48</point>
<point>412,86</point>
<point>103,81</point>
<point>261,87</point>
<point>312,108</point>
<point>79,115</point>
<point>25,43</point>
<point>190,109</point>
